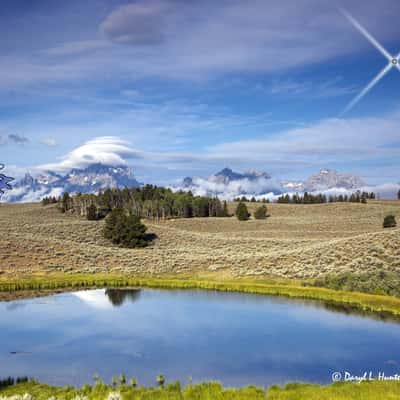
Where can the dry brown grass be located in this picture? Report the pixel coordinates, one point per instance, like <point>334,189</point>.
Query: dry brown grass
<point>297,241</point>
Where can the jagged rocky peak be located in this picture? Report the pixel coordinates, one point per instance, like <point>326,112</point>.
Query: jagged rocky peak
<point>330,178</point>
<point>187,182</point>
<point>229,184</point>
<point>91,179</point>
<point>28,179</point>
<point>229,175</point>
<point>99,176</point>
<point>48,178</point>
<point>254,174</point>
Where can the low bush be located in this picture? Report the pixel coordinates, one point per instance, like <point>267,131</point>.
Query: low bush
<point>389,221</point>
<point>379,282</point>
<point>261,213</point>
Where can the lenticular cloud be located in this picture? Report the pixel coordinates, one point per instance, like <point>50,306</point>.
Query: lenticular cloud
<point>108,150</point>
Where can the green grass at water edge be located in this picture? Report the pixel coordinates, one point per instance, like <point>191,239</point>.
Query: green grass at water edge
<point>214,391</point>
<point>380,304</point>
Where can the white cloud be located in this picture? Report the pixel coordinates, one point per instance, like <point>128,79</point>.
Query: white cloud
<point>330,88</point>
<point>108,150</point>
<point>330,143</point>
<point>49,141</point>
<point>197,40</point>
<point>13,138</point>
<point>94,298</point>
<point>78,47</point>
<point>229,190</point>
<point>384,191</point>
<point>25,196</point>
<point>325,141</point>
<point>140,23</point>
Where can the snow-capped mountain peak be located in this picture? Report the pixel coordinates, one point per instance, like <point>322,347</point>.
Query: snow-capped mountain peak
<point>325,179</point>
<point>228,184</point>
<point>91,179</point>
<point>330,178</point>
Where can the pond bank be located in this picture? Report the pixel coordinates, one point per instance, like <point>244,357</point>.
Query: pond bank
<point>378,304</point>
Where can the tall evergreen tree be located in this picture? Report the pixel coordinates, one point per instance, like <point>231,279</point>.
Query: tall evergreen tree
<point>66,201</point>
<point>225,211</point>
<point>91,213</point>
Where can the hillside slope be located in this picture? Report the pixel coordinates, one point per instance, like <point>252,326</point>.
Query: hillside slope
<point>296,241</point>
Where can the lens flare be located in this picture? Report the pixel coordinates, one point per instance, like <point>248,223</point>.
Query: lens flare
<point>393,61</point>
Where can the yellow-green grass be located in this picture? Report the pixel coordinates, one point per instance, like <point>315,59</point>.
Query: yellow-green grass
<point>376,390</point>
<point>213,391</point>
<point>296,241</point>
<point>383,305</point>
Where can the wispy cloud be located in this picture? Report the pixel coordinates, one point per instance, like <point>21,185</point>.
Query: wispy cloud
<point>187,40</point>
<point>325,143</point>
<point>49,141</point>
<point>312,89</point>
<point>137,24</point>
<point>14,138</point>
<point>76,48</point>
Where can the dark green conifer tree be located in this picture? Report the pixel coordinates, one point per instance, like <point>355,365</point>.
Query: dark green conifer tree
<point>91,213</point>
<point>242,213</point>
<point>389,221</point>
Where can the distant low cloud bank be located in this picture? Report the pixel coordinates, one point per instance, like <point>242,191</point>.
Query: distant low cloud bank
<point>228,185</point>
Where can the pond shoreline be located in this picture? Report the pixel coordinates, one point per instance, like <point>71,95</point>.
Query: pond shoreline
<point>38,286</point>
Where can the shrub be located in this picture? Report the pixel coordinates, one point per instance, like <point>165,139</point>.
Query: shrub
<point>160,380</point>
<point>389,221</point>
<point>242,213</point>
<point>261,212</point>
<point>125,230</point>
<point>375,282</point>
<point>133,381</point>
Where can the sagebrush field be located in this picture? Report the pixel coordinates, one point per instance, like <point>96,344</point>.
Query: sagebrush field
<point>295,241</point>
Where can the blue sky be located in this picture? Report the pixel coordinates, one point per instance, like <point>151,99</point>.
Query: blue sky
<point>176,88</point>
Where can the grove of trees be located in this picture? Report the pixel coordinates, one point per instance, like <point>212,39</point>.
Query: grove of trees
<point>150,202</point>
<point>319,198</point>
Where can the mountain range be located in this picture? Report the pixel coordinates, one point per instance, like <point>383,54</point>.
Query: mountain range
<point>87,180</point>
<point>326,179</point>
<point>226,183</point>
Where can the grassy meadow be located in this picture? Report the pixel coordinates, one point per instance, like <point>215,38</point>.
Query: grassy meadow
<point>297,242</point>
<point>207,391</point>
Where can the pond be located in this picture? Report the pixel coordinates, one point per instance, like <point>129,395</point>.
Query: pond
<point>236,338</point>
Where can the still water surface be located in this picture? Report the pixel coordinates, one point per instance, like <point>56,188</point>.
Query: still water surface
<point>236,338</point>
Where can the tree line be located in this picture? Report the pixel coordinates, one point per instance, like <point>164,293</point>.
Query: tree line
<point>151,202</point>
<point>308,198</point>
